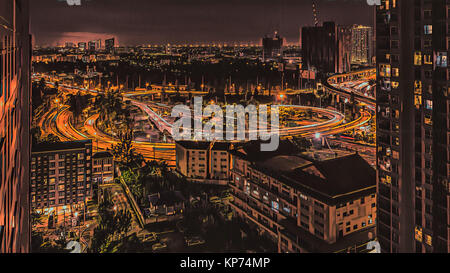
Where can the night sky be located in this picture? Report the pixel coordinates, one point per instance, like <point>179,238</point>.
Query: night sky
<point>134,22</point>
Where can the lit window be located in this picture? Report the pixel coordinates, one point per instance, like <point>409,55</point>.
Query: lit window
<point>395,72</point>
<point>441,59</point>
<point>429,104</point>
<point>385,70</point>
<point>417,58</point>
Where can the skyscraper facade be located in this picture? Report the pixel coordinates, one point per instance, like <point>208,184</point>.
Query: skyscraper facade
<point>327,48</point>
<point>344,41</point>
<point>15,58</point>
<point>82,46</point>
<point>109,45</point>
<point>413,120</point>
<point>94,45</point>
<point>272,47</point>
<point>362,45</point>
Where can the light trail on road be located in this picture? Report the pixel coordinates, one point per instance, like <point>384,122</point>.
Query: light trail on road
<point>58,122</point>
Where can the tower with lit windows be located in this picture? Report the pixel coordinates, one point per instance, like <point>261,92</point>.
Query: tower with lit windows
<point>362,46</point>
<point>413,125</point>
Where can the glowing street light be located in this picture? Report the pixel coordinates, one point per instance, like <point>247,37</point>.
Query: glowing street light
<point>317,136</point>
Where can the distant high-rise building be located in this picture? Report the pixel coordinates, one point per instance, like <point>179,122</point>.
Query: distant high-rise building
<point>69,45</point>
<point>94,45</point>
<point>82,46</point>
<point>91,46</point>
<point>15,48</point>
<point>362,45</point>
<point>326,48</point>
<point>272,47</point>
<point>413,132</point>
<point>344,40</point>
<point>109,45</point>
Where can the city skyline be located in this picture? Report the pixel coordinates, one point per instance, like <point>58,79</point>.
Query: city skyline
<point>159,22</point>
<point>256,126</point>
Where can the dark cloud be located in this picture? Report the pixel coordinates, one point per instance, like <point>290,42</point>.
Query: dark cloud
<point>184,21</point>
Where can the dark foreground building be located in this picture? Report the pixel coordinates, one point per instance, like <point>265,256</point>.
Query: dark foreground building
<point>413,126</point>
<point>15,48</point>
<point>306,205</point>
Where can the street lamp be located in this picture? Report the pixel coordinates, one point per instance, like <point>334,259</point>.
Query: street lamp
<point>64,210</point>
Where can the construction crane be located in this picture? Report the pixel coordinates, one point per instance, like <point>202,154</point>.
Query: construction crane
<point>314,8</point>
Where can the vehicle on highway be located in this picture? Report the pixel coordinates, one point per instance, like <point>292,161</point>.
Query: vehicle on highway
<point>214,199</point>
<point>150,237</point>
<point>193,240</point>
<point>158,246</point>
<point>227,197</point>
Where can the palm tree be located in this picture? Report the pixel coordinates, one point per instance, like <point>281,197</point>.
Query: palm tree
<point>125,153</point>
<point>124,222</point>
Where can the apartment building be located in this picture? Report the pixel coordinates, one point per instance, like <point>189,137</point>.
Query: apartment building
<point>15,145</point>
<point>203,161</point>
<point>103,168</point>
<point>61,176</point>
<point>413,133</point>
<point>306,205</point>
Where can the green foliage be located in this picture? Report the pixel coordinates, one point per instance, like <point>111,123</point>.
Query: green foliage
<point>38,243</point>
<point>35,218</point>
<point>124,152</point>
<point>50,138</point>
<point>77,103</point>
<point>113,112</point>
<point>112,225</point>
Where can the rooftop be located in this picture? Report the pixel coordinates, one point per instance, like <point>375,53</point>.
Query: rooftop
<point>333,181</point>
<point>167,198</point>
<point>60,146</point>
<point>313,244</point>
<point>284,163</point>
<point>102,155</point>
<point>204,145</point>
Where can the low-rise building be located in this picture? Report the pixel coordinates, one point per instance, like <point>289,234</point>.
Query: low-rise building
<point>203,161</point>
<point>166,203</point>
<point>305,205</point>
<point>103,168</point>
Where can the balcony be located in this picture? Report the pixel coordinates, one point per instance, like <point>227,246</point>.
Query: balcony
<point>257,205</point>
<point>271,190</point>
<point>264,224</point>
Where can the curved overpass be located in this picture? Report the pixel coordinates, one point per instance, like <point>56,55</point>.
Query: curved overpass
<point>59,122</point>
<point>334,84</point>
